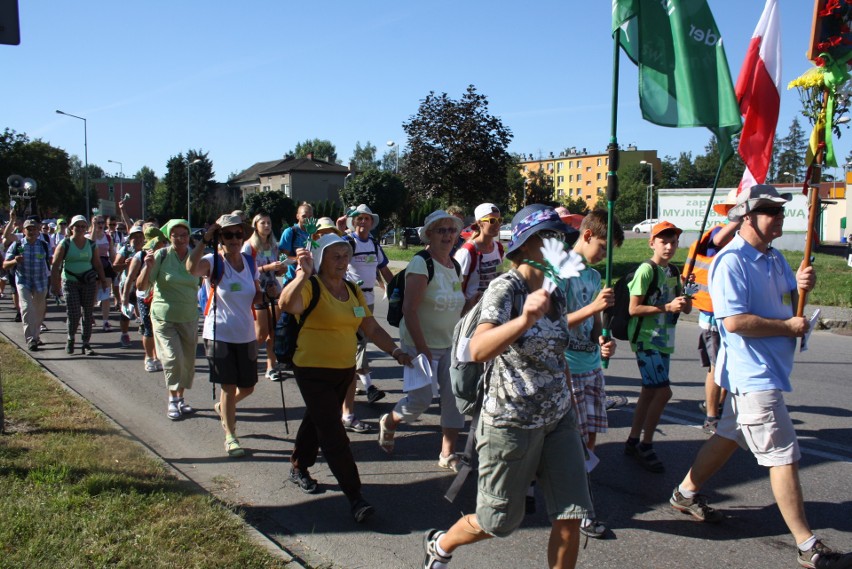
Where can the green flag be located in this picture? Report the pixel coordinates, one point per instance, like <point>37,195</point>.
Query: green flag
<point>684,79</point>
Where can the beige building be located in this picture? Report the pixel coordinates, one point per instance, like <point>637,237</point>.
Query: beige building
<point>300,179</point>
<point>579,174</point>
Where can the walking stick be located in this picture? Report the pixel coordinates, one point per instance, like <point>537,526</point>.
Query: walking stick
<point>270,313</point>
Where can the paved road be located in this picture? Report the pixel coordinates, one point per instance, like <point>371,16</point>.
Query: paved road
<point>407,489</point>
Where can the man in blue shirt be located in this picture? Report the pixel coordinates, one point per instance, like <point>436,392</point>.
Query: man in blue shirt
<point>753,291</point>
<point>295,237</point>
<point>30,259</point>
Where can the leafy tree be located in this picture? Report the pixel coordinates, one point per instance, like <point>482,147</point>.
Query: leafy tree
<point>364,158</point>
<point>706,165</point>
<point>279,207</point>
<point>539,188</point>
<point>456,150</point>
<point>390,162</point>
<point>321,149</point>
<point>328,208</point>
<point>515,181</point>
<point>791,153</point>
<point>169,198</point>
<point>633,180</point>
<point>578,205</point>
<point>384,192</point>
<point>149,181</point>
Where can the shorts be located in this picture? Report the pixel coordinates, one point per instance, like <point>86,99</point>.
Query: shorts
<point>654,368</point>
<point>232,364</point>
<point>511,457</point>
<point>589,391</point>
<point>760,421</point>
<point>708,346</point>
<point>145,315</point>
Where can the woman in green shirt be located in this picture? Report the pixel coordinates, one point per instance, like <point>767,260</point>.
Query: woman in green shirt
<point>174,313</point>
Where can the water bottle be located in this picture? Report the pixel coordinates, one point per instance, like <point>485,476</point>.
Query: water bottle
<point>394,298</point>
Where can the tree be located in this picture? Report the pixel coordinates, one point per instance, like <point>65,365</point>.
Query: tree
<point>279,207</point>
<point>706,166</point>
<point>321,149</point>
<point>516,182</point>
<point>539,188</point>
<point>633,181</point>
<point>578,205</point>
<point>456,151</point>
<point>384,192</point>
<point>149,181</point>
<point>364,158</point>
<point>791,153</point>
<point>169,198</point>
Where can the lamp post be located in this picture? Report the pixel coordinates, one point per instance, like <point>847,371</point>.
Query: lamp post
<point>649,195</point>
<point>393,144</point>
<point>188,203</point>
<point>121,180</point>
<point>85,157</point>
<point>792,176</point>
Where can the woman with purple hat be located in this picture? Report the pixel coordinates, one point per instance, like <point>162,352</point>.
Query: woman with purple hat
<point>527,426</point>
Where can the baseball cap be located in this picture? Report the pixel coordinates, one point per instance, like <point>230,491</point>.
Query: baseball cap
<point>483,210</point>
<point>665,226</point>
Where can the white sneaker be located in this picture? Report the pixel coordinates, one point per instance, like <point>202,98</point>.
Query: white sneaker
<point>150,365</point>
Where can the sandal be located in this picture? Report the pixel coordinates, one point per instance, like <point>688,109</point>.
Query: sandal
<point>386,435</point>
<point>451,462</point>
<point>233,448</point>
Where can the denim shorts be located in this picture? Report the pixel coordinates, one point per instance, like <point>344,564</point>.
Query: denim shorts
<point>510,458</point>
<point>654,368</point>
<point>760,421</point>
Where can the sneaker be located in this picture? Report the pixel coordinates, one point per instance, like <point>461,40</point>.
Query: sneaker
<point>43,328</point>
<point>33,346</point>
<point>173,412</point>
<point>107,327</point>
<point>820,556</point>
<point>430,540</point>
<point>361,510</point>
<point>301,478</point>
<point>710,425</point>
<point>273,375</point>
<point>69,346</point>
<point>185,408</point>
<point>697,508</point>
<point>87,350</point>
<point>150,365</point>
<point>159,364</point>
<point>356,426</point>
<point>451,462</point>
<point>125,340</point>
<point>374,394</point>
<point>592,528</point>
<point>233,448</point>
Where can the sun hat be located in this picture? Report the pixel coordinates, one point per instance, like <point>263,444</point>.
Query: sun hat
<point>31,223</point>
<point>360,210</point>
<point>325,223</point>
<point>535,218</point>
<point>134,230</point>
<point>234,220</point>
<point>60,221</point>
<point>78,218</point>
<point>754,197</point>
<point>327,240</point>
<point>153,237</point>
<point>483,210</point>
<point>722,208</point>
<point>435,217</point>
<point>665,226</point>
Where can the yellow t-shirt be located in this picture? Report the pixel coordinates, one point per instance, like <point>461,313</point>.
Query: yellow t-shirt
<point>327,338</point>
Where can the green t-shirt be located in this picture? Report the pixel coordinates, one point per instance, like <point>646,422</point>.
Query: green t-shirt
<point>657,331</point>
<point>77,260</point>
<point>175,290</point>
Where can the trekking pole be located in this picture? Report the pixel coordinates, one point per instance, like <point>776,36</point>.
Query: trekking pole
<point>270,313</point>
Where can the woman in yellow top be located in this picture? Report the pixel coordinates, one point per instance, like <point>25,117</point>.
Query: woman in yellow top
<point>322,374</point>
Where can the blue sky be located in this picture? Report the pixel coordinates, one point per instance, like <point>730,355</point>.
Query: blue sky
<point>246,81</point>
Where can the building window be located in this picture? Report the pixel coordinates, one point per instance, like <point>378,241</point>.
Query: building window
<point>599,161</point>
<point>598,176</point>
<point>579,177</point>
<point>560,180</point>
<point>588,168</point>
<point>266,188</point>
<point>569,164</point>
<point>607,161</point>
<point>286,189</point>
<point>570,177</point>
<point>550,167</point>
<point>559,166</point>
<point>578,163</point>
<point>559,193</point>
<point>525,169</point>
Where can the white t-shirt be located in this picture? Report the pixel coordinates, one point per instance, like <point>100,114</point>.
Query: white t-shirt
<point>441,307</point>
<point>368,257</point>
<point>234,296</point>
<point>484,272</point>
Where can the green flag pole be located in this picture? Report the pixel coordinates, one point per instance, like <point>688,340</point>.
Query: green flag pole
<point>611,178</point>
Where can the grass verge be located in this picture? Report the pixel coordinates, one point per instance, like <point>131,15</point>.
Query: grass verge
<point>74,492</point>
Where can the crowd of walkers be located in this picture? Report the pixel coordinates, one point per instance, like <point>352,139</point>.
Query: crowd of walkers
<point>542,338</point>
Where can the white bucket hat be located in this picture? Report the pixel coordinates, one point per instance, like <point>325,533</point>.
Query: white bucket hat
<point>327,240</point>
<point>361,210</point>
<point>433,218</point>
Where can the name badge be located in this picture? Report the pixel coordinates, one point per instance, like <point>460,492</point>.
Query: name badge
<point>360,312</point>
<point>456,287</point>
<point>236,287</point>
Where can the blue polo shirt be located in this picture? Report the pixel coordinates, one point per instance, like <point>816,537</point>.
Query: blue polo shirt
<point>745,281</point>
<point>294,237</point>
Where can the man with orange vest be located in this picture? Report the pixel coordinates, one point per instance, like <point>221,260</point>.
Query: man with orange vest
<point>703,250</point>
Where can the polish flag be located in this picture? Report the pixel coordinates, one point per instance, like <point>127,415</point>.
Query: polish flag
<point>758,91</point>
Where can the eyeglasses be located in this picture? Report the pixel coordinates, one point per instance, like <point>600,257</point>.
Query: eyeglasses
<point>444,230</point>
<point>770,211</point>
<point>232,234</point>
<point>558,235</point>
<point>492,220</point>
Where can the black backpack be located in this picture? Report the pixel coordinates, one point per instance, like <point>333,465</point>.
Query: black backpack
<point>396,287</point>
<point>288,326</point>
<point>617,317</point>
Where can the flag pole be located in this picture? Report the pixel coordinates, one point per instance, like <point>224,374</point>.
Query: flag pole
<point>813,202</point>
<point>611,178</point>
<point>690,261</point>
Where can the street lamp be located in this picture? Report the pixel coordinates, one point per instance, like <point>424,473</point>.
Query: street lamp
<point>649,195</point>
<point>792,176</point>
<point>188,203</point>
<point>121,180</point>
<point>85,157</point>
<point>391,144</point>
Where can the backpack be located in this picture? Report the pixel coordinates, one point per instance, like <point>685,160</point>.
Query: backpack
<point>474,259</point>
<point>468,378</point>
<point>617,317</point>
<point>288,326</point>
<point>396,286</point>
<point>351,239</point>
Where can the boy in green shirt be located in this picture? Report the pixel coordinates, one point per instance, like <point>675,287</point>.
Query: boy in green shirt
<point>654,344</point>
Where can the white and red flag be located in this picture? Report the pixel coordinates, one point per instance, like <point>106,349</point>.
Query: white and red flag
<point>758,91</point>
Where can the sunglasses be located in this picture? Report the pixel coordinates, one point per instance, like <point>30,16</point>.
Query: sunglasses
<point>770,211</point>
<point>492,220</point>
<point>232,234</point>
<point>444,230</point>
<point>558,235</point>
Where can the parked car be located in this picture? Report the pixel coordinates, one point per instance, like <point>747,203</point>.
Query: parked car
<point>644,226</point>
<point>506,232</point>
<point>412,237</point>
